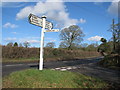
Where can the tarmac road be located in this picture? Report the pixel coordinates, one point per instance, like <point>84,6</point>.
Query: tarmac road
<point>8,68</point>
<point>84,66</point>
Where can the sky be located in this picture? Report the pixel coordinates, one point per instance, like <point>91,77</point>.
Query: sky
<point>93,18</point>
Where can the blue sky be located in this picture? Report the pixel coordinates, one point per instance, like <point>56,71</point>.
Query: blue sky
<point>93,18</point>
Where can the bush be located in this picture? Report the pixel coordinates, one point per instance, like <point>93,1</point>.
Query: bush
<point>49,53</point>
<point>19,52</point>
<point>110,61</point>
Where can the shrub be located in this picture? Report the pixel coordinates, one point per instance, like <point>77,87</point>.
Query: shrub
<point>49,53</point>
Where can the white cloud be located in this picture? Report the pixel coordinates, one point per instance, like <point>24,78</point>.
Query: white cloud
<point>12,4</point>
<point>33,41</point>
<point>95,38</point>
<point>53,10</point>
<point>24,13</point>
<point>113,8</point>
<point>0,4</point>
<point>82,20</point>
<point>47,39</point>
<point>52,40</point>
<point>34,37</point>
<point>57,0</point>
<point>19,0</point>
<point>10,39</point>
<point>14,32</point>
<point>98,3</point>
<point>9,25</point>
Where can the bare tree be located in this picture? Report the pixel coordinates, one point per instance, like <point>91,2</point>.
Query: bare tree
<point>10,44</point>
<point>20,45</point>
<point>26,44</point>
<point>115,29</point>
<point>63,44</point>
<point>71,36</point>
<point>50,45</point>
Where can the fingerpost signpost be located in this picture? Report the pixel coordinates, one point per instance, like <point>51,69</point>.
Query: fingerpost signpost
<point>41,22</point>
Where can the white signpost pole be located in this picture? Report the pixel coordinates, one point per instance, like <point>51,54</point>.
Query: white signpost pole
<point>45,25</point>
<point>42,44</point>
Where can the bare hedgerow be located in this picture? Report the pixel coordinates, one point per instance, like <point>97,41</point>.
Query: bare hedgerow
<point>49,53</point>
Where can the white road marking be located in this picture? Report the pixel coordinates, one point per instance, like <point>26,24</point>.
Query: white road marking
<point>32,64</point>
<point>19,65</point>
<point>63,69</point>
<point>65,61</point>
<point>74,67</point>
<point>57,68</point>
<point>14,65</point>
<point>68,68</point>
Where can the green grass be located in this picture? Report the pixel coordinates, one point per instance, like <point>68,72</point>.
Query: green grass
<point>33,78</point>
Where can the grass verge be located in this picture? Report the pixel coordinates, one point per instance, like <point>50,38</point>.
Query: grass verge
<point>20,60</point>
<point>111,61</point>
<point>33,78</point>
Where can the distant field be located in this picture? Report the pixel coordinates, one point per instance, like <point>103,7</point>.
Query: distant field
<point>33,78</point>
